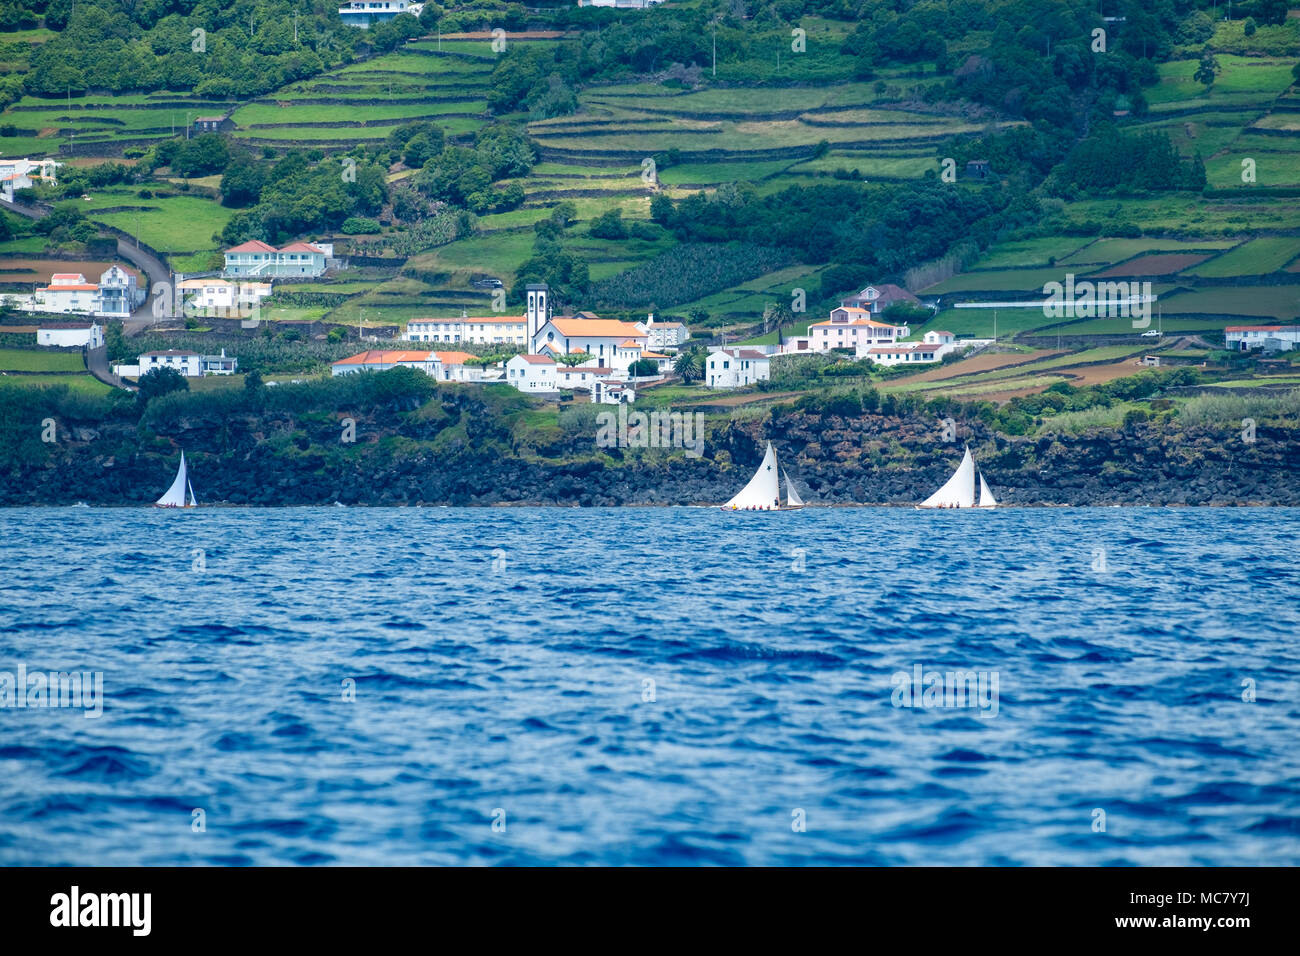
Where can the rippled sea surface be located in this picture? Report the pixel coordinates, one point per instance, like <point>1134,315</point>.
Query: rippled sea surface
<point>652,686</point>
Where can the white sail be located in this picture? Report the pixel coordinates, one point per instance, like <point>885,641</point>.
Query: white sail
<point>175,495</point>
<point>986,497</point>
<point>959,490</point>
<point>763,493</point>
<point>792,498</point>
<point>194,502</point>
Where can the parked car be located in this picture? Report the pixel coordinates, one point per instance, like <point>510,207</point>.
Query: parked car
<point>1151,334</point>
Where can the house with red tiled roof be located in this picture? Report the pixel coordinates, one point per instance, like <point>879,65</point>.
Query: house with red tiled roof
<point>852,327</point>
<point>381,360</point>
<point>734,367</point>
<point>877,298</point>
<point>23,173</point>
<point>903,353</point>
<point>117,294</point>
<point>444,366</point>
<point>532,373</point>
<point>256,259</point>
<point>1271,338</point>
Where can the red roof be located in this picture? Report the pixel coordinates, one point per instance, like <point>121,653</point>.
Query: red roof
<point>68,288</point>
<point>254,245</point>
<point>538,359</point>
<point>453,358</point>
<point>384,357</point>
<point>513,320</point>
<point>302,247</point>
<point>1261,328</point>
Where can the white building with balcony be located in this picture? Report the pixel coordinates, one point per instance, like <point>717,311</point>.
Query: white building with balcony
<point>24,173</point>
<point>362,13</point>
<point>851,327</point>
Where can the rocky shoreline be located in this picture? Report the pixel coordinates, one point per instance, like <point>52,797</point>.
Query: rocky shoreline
<point>445,456</point>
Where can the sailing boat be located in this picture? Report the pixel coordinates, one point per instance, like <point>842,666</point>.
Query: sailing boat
<point>175,495</point>
<point>763,493</point>
<point>959,490</point>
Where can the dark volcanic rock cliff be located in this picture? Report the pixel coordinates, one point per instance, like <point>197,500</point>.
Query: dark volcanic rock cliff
<point>457,448</point>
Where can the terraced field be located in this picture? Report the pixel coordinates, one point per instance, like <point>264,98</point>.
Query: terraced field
<point>362,102</point>
<point>89,124</point>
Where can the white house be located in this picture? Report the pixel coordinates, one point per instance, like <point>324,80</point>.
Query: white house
<point>221,294</point>
<point>470,330</point>
<point>1273,338</point>
<point>187,363</point>
<point>67,292</point>
<point>583,377</point>
<point>532,373</point>
<point>70,334</point>
<point>736,367</point>
<point>939,337</point>
<point>257,259</point>
<point>444,366</point>
<point>362,13</point>
<point>662,336</point>
<point>851,327</point>
<point>904,353</point>
<point>23,174</point>
<point>613,393</point>
<point>380,360</point>
<point>877,298</point>
<point>117,294</point>
<point>662,361</point>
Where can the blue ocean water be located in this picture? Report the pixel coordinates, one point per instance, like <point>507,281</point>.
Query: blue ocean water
<point>501,664</point>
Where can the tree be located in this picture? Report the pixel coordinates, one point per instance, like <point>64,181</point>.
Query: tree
<point>159,381</point>
<point>688,365</point>
<point>608,225</point>
<point>775,316</point>
<point>643,368</point>
<point>1207,70</point>
<point>571,359</point>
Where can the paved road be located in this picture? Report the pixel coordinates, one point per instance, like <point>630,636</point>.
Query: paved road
<point>97,365</point>
<point>154,269</point>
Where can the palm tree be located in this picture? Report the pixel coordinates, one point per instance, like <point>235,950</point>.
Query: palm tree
<point>688,365</point>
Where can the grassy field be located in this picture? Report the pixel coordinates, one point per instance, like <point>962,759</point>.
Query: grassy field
<point>79,383</point>
<point>44,360</point>
<point>1261,256</point>
<point>169,223</point>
